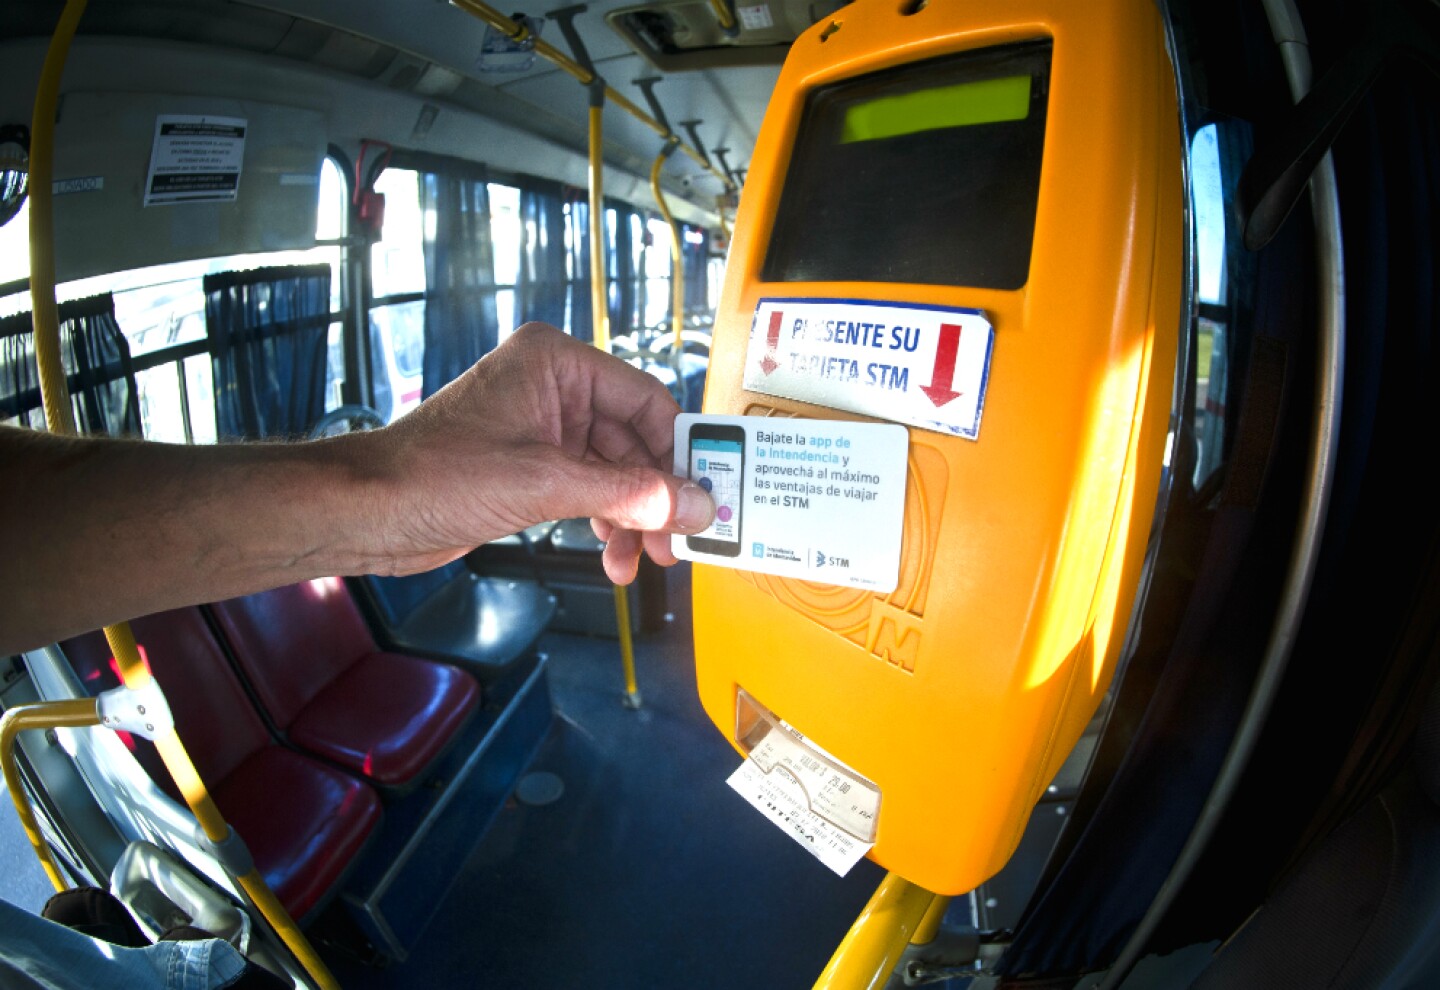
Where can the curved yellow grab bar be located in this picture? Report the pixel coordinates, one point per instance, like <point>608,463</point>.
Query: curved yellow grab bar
<point>42,715</point>
<point>867,955</point>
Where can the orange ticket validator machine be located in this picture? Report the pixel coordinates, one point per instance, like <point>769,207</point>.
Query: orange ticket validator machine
<point>968,219</point>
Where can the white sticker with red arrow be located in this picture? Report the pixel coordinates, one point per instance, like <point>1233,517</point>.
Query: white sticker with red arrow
<point>922,366</point>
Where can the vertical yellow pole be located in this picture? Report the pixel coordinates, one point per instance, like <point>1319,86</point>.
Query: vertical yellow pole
<point>930,924</point>
<point>720,211</point>
<point>59,418</point>
<point>627,646</point>
<point>54,393</point>
<point>599,311</point>
<point>600,318</point>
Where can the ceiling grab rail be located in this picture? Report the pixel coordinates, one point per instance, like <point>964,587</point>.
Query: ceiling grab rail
<point>587,75</point>
<point>59,418</point>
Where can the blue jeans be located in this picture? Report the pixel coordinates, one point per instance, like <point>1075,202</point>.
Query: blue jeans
<point>37,954</point>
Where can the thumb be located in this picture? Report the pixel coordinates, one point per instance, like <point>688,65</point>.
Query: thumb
<point>638,498</point>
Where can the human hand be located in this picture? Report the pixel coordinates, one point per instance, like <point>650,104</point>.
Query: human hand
<point>545,427</point>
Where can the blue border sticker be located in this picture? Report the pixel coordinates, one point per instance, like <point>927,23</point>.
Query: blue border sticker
<point>924,366</point>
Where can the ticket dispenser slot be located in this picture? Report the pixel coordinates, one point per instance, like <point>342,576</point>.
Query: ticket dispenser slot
<point>967,219</point>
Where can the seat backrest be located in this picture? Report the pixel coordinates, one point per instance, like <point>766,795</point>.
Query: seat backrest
<point>396,598</point>
<point>213,715</point>
<point>292,642</point>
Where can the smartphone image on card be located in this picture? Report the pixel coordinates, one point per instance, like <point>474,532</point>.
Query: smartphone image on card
<point>717,464</point>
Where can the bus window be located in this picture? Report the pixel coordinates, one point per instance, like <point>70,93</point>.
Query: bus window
<point>397,289</point>
<point>509,239</point>
<point>397,260</point>
<point>161,310</point>
<point>1213,147</point>
<point>15,256</point>
<point>657,274</point>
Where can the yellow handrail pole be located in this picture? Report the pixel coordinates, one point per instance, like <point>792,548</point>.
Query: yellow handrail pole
<point>723,15</point>
<point>677,258</point>
<point>46,316</point>
<point>519,32</point>
<point>599,310</point>
<point>930,924</point>
<point>78,713</point>
<point>59,418</point>
<point>867,955</point>
<point>627,646</point>
<point>600,318</point>
<point>720,210</point>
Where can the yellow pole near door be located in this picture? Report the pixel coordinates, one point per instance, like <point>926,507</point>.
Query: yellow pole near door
<point>54,391</point>
<point>600,319</point>
<point>599,310</point>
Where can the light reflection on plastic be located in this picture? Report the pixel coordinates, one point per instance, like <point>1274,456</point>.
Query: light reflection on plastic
<point>323,588</point>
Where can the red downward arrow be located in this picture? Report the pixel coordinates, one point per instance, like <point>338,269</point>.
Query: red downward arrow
<point>943,377</point>
<point>772,343</point>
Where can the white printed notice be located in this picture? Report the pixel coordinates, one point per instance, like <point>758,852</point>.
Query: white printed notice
<point>923,366</point>
<point>820,500</point>
<point>195,159</point>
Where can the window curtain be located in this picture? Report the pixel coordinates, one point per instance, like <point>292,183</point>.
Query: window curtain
<point>268,330</point>
<point>96,358</point>
<point>461,324</point>
<point>695,260</point>
<point>577,251</point>
<point>622,270</point>
<point>542,288</point>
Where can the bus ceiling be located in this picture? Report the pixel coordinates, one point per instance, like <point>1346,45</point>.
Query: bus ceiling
<point>426,77</point>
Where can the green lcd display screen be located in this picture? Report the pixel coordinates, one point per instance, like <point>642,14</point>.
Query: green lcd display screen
<point>924,174</point>
<point>989,101</point>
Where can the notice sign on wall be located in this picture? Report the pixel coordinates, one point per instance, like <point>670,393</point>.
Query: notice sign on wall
<point>817,499</point>
<point>923,366</point>
<point>195,159</point>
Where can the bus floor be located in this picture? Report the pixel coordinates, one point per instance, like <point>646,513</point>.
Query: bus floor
<point>648,870</point>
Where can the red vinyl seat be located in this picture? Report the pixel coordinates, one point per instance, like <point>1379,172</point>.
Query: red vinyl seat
<point>304,822</point>
<point>314,666</point>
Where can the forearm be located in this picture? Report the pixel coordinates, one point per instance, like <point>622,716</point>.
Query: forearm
<point>545,427</point>
<point>94,532</point>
